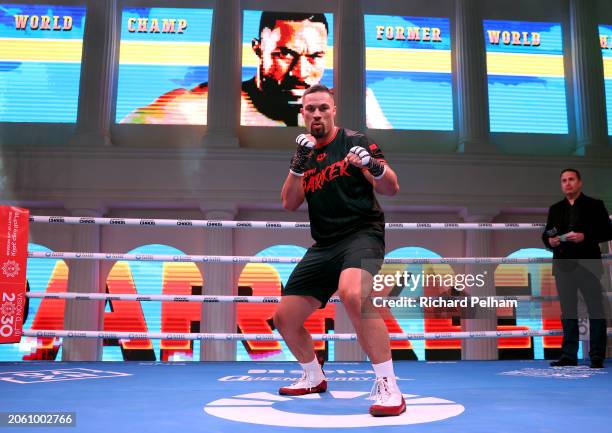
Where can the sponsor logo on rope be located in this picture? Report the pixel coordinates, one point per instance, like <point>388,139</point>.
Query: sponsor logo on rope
<point>182,259</point>
<point>117,221</point>
<point>214,224</point>
<point>184,223</point>
<point>211,259</point>
<point>84,255</point>
<point>72,334</point>
<point>244,224</point>
<point>274,225</point>
<point>87,221</point>
<point>270,260</point>
<point>148,257</point>
<point>536,259</point>
<point>45,334</point>
<point>179,336</point>
<point>147,222</point>
<point>264,337</point>
<point>56,219</point>
<point>138,335</point>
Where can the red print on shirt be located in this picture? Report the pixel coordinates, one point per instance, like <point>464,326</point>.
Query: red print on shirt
<point>314,181</point>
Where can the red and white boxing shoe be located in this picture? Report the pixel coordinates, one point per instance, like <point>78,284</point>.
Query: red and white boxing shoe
<point>388,399</point>
<point>305,385</point>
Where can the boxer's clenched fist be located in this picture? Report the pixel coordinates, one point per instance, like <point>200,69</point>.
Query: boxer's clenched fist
<point>360,157</point>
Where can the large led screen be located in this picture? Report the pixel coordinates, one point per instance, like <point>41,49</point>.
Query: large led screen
<point>408,73</point>
<point>40,62</point>
<point>526,77</point>
<point>605,39</point>
<point>283,53</point>
<point>163,66</point>
<point>268,279</point>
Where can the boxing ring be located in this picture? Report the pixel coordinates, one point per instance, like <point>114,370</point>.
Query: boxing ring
<point>441,396</point>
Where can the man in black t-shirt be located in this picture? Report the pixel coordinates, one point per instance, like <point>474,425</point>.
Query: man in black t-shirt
<point>337,171</point>
<point>574,229</point>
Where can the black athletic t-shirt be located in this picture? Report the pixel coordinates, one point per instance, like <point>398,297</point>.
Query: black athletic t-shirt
<point>340,199</point>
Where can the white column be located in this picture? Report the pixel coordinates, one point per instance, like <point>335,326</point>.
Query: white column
<point>224,75</point>
<point>349,92</point>
<point>83,277</point>
<point>218,280</point>
<point>471,70</point>
<point>97,74</point>
<point>589,88</point>
<point>349,62</point>
<point>478,243</point>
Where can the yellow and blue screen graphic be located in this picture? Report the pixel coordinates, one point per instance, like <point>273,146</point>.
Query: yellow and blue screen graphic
<point>526,78</point>
<point>408,73</point>
<point>605,39</point>
<point>163,58</point>
<point>40,62</point>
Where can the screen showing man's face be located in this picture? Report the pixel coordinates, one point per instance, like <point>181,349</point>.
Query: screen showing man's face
<point>293,55</point>
<point>284,53</point>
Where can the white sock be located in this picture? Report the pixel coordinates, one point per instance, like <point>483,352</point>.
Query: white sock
<point>313,369</point>
<point>385,369</point>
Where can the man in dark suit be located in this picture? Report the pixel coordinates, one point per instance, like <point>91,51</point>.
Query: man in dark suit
<point>575,227</point>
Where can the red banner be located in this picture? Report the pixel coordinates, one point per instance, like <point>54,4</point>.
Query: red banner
<point>13,259</point>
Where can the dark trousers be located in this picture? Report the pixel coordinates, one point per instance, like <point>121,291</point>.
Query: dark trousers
<point>568,284</point>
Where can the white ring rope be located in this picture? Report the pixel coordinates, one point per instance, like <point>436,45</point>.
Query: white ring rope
<point>275,337</point>
<point>268,259</point>
<point>151,222</point>
<point>221,298</point>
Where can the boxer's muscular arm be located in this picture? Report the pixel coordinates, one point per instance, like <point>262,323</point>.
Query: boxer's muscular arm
<point>292,193</point>
<point>387,184</point>
<point>380,175</point>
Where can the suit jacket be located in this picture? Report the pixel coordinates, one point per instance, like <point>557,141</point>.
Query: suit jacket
<point>587,215</point>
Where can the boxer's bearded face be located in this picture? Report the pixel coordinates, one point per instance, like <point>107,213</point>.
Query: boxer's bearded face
<point>319,111</point>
